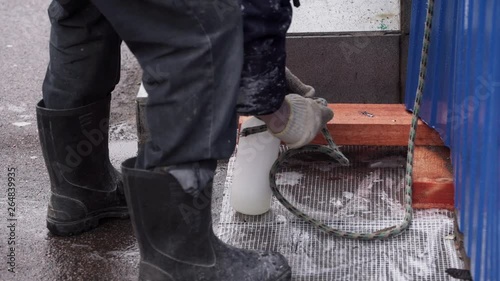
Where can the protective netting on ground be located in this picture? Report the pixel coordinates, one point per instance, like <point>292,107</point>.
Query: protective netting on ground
<point>364,197</point>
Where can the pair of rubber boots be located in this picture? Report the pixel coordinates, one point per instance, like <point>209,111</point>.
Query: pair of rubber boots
<point>173,228</point>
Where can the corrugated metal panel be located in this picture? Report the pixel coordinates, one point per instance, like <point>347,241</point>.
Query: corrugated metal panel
<point>462,102</point>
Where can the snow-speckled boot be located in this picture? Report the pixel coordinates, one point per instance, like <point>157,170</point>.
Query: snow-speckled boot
<point>176,239</point>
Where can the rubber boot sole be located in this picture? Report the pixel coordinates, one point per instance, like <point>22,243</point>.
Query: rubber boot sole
<point>76,227</point>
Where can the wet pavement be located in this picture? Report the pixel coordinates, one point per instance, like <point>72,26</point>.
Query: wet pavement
<point>107,253</point>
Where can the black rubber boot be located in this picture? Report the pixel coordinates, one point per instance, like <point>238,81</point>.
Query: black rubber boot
<point>176,240</point>
<point>84,185</point>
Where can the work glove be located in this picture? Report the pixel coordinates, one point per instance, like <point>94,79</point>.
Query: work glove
<point>306,118</point>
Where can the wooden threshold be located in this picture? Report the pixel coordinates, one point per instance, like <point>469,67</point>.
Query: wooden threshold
<point>389,125</point>
<point>376,124</point>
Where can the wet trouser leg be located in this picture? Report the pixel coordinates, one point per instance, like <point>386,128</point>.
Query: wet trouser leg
<point>263,84</point>
<point>191,54</point>
<point>84,50</point>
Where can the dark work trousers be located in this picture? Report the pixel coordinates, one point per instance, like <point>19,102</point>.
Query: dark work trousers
<point>199,67</point>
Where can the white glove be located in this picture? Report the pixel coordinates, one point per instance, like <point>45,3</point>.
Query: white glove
<point>306,119</point>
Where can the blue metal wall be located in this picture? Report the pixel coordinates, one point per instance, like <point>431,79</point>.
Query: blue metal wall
<point>462,101</point>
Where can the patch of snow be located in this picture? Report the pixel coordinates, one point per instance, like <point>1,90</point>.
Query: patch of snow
<point>288,178</point>
<point>15,108</point>
<point>21,124</point>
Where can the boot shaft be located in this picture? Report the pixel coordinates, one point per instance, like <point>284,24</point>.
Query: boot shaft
<point>75,144</point>
<point>84,185</point>
<point>171,221</point>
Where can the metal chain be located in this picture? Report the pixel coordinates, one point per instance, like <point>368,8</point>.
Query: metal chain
<point>333,151</point>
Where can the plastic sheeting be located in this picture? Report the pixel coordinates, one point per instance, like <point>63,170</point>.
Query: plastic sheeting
<point>365,197</point>
<point>461,101</point>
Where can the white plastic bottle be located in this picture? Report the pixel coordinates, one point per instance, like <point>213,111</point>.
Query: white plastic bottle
<point>250,190</point>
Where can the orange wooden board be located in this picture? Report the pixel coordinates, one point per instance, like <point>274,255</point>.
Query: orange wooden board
<point>376,124</point>
<point>432,178</point>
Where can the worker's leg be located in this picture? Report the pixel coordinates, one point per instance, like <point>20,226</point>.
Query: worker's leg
<point>73,118</point>
<point>191,54</point>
